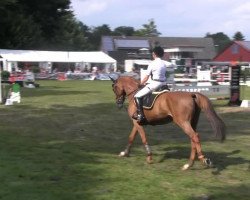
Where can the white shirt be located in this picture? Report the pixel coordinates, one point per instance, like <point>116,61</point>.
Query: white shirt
<point>157,69</point>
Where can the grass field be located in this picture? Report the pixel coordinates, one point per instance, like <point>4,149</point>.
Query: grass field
<point>62,142</point>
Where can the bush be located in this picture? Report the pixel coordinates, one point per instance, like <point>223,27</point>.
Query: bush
<point>5,75</point>
<point>35,69</point>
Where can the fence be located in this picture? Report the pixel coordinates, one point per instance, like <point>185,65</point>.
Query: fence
<point>216,92</point>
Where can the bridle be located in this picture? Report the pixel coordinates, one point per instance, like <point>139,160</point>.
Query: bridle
<point>120,99</point>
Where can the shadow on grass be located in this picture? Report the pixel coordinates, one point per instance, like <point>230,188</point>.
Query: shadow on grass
<point>229,192</point>
<point>221,160</point>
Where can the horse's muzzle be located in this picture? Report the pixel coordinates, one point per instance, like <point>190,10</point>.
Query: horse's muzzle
<point>119,102</point>
<point>119,105</point>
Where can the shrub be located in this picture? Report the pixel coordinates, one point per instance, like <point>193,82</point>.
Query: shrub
<point>5,75</point>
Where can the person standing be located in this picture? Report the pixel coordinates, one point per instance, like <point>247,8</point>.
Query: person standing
<point>157,71</point>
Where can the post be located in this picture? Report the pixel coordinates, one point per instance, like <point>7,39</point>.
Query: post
<point>1,99</point>
<point>235,86</point>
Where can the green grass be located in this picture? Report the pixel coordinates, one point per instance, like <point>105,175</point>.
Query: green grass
<point>62,142</point>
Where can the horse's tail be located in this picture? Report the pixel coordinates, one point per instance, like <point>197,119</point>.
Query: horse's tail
<point>216,122</point>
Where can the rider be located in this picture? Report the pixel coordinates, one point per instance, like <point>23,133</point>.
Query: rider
<point>157,70</point>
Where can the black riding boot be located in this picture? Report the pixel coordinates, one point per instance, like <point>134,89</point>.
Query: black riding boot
<point>140,114</point>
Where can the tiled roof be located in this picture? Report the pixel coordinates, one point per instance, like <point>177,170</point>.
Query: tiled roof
<point>166,42</point>
<point>127,43</point>
<point>244,44</point>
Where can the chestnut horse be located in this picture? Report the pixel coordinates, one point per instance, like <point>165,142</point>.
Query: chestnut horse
<point>182,108</point>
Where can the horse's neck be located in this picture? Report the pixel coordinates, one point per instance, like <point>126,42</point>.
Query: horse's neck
<point>130,88</point>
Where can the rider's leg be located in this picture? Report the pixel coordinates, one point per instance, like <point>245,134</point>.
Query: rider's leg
<point>139,99</point>
<point>139,104</point>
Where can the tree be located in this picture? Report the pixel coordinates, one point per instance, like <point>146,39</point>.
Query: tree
<point>72,38</point>
<point>44,25</point>
<point>238,36</point>
<point>221,41</point>
<point>55,20</point>
<point>96,35</point>
<point>124,31</point>
<point>148,30</point>
<point>17,29</point>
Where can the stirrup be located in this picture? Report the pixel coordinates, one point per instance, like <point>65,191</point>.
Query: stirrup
<point>138,117</point>
<point>135,116</point>
<point>141,119</point>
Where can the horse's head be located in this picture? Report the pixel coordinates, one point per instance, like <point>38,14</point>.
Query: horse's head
<point>119,91</point>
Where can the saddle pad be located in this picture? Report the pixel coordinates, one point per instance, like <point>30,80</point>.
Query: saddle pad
<point>149,99</point>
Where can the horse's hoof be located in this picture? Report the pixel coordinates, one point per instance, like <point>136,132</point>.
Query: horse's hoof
<point>185,167</point>
<point>149,160</point>
<point>123,154</point>
<point>207,162</point>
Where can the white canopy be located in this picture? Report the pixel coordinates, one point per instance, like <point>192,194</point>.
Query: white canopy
<point>55,56</point>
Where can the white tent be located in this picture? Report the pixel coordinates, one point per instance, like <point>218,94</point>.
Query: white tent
<point>9,56</point>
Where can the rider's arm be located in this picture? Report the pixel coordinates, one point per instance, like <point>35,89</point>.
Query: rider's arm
<point>145,79</point>
<point>148,74</point>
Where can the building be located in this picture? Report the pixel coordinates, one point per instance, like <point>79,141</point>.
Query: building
<point>237,51</point>
<point>184,52</point>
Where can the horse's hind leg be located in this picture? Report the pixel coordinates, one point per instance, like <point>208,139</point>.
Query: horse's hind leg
<point>194,123</point>
<point>195,145</point>
<point>195,119</point>
<point>191,158</point>
<point>130,142</point>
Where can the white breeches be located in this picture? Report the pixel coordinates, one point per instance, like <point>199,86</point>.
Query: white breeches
<point>149,88</point>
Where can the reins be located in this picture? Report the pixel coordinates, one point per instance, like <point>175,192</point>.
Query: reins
<point>127,95</point>
<point>132,92</point>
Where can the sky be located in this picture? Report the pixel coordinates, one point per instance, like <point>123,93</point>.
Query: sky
<point>173,18</point>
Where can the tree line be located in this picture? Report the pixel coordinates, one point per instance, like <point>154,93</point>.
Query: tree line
<point>51,25</point>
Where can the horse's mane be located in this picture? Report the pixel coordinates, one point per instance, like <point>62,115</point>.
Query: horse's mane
<point>129,80</point>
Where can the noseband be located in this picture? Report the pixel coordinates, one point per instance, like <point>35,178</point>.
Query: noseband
<point>120,99</point>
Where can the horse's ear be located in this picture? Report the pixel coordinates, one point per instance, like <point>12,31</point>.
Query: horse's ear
<point>113,80</point>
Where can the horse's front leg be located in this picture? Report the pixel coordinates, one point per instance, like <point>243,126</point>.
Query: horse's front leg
<point>142,133</point>
<point>131,139</point>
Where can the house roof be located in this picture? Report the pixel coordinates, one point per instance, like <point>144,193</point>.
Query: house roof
<point>206,44</point>
<point>55,56</point>
<point>244,44</point>
<point>128,43</point>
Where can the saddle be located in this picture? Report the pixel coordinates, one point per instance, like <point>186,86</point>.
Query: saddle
<point>149,99</point>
